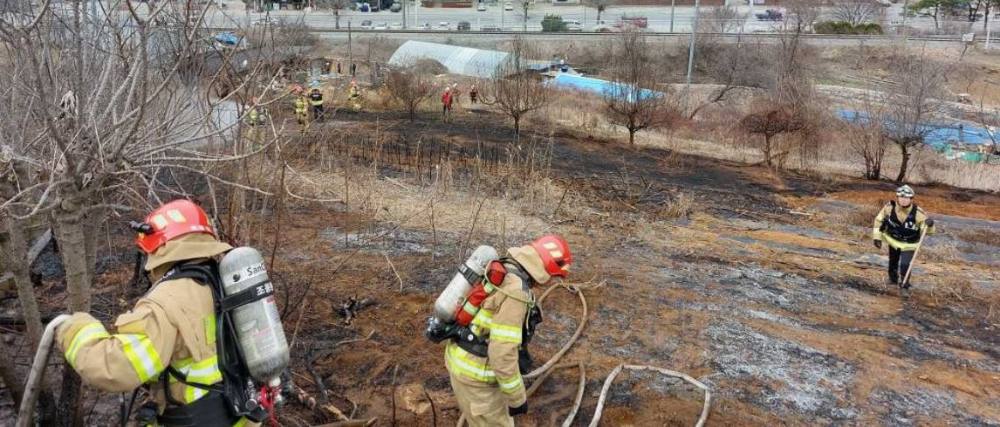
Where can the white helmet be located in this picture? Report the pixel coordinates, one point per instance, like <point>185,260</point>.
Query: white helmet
<point>904,191</point>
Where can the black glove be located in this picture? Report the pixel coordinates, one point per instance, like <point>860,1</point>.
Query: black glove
<point>523,409</point>
<point>929,222</point>
<point>878,243</point>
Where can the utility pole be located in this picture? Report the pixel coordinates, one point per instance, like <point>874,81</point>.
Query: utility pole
<point>404,13</point>
<point>989,28</point>
<point>672,4</point>
<point>694,34</point>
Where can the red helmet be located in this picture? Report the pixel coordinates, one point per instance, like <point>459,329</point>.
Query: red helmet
<point>555,254</point>
<point>169,222</point>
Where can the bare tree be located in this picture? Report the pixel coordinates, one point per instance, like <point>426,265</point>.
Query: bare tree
<point>912,102</point>
<point>865,132</point>
<point>514,88</point>
<point>408,87</point>
<point>721,19</point>
<point>600,5</point>
<point>632,101</point>
<point>771,119</point>
<point>97,105</point>
<point>856,12</point>
<point>735,66</point>
<point>802,14</point>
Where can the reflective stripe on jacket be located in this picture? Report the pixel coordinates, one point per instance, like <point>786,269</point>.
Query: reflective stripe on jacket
<point>500,319</point>
<point>901,213</point>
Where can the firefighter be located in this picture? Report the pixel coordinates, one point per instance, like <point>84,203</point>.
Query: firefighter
<point>301,109</point>
<point>446,103</point>
<point>316,102</point>
<point>486,376</point>
<point>255,118</point>
<point>899,224</point>
<point>473,94</point>
<point>170,327</point>
<point>354,96</point>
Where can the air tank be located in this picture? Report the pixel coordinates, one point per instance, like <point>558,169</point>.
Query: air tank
<point>257,324</point>
<point>469,273</point>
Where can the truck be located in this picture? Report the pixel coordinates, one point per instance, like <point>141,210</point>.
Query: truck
<point>769,15</point>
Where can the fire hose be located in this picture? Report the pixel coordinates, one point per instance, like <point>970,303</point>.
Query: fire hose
<point>34,384</point>
<point>543,372</point>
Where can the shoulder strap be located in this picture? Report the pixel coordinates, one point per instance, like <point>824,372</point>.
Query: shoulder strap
<point>912,217</point>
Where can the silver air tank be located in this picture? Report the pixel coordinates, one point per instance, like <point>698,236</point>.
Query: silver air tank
<point>469,273</point>
<point>258,324</point>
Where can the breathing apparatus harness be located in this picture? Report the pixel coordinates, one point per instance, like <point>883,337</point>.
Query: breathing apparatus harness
<point>477,345</point>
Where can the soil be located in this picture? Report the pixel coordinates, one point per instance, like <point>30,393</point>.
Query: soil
<point>783,315</point>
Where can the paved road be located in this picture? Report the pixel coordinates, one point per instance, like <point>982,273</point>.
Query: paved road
<point>659,17</point>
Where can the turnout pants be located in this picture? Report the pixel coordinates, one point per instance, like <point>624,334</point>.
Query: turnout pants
<point>317,111</point>
<point>483,406</point>
<point>899,263</point>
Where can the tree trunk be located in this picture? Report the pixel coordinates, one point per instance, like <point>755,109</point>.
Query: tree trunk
<point>15,252</point>
<point>631,136</point>
<point>93,221</point>
<point>68,411</point>
<point>14,384</point>
<point>767,150</point>
<point>69,231</point>
<point>69,228</point>
<point>904,165</point>
<point>517,125</point>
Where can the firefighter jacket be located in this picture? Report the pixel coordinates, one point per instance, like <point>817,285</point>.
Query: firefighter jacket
<point>301,104</point>
<point>172,325</point>
<point>316,98</point>
<point>501,320</point>
<point>257,115</point>
<point>900,227</point>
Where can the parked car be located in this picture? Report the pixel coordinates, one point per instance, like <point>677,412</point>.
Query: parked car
<point>464,26</point>
<point>443,26</point>
<point>574,28</point>
<point>382,26</point>
<point>481,7</point>
<point>424,27</point>
<point>572,22</point>
<point>508,6</point>
<point>396,26</point>
<point>770,15</point>
<point>396,7</point>
<point>366,25</point>
<point>491,28</point>
<point>365,7</point>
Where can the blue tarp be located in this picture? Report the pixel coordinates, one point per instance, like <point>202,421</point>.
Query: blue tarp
<point>598,86</point>
<point>935,134</point>
<point>227,38</point>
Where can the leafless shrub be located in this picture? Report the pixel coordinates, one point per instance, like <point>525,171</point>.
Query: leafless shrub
<point>513,90</point>
<point>720,19</point>
<point>735,66</point>
<point>866,136</point>
<point>679,206</point>
<point>631,102</point>
<point>409,88</point>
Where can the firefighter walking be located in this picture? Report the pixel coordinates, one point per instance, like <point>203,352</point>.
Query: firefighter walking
<point>167,335</point>
<point>316,103</point>
<point>901,224</point>
<point>486,372</point>
<point>301,109</point>
<point>256,118</point>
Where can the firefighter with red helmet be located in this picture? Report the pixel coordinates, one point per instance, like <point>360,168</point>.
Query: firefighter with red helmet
<point>486,371</point>
<point>168,339</point>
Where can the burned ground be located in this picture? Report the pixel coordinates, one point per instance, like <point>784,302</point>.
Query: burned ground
<point>783,315</point>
